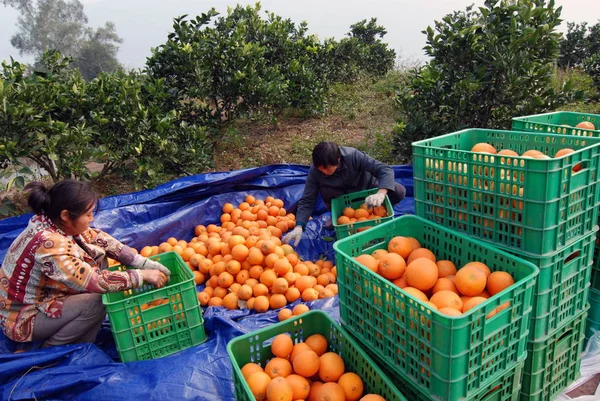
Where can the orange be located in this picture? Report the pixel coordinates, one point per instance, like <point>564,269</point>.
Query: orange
<point>261,303</point>
<point>586,125</point>
<point>331,392</point>
<point>215,301</point>
<point>444,283</point>
<point>416,293</point>
<point>481,266</point>
<point>368,261</point>
<point>225,279</point>
<point>331,367</point>
<point>292,294</point>
<point>278,367</point>
<point>372,397</point>
<point>280,286</point>
<point>377,254</point>
<point>318,343</point>
<point>483,147</point>
<point>446,299</point>
<point>445,268</point>
<point>498,281</point>
<point>245,292</point>
<point>203,298</point>
<point>401,282</point>
<point>282,345</point>
<point>314,391</point>
<point>284,314</point>
<point>470,281</point>
<point>300,386</point>
<point>277,301</point>
<point>310,294</point>
<point>268,277</point>
<point>258,383</point>
<point>533,153</point>
<point>450,311</point>
<point>300,309</point>
<point>400,245</point>
<point>250,368</point>
<point>415,242</point>
<point>240,252</point>
<point>353,386</point>
<point>306,363</point>
<point>230,301</point>
<point>421,253</point>
<point>391,266</point>
<point>421,274</point>
<point>298,348</point>
<point>473,302</point>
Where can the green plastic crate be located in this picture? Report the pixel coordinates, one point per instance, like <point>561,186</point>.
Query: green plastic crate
<point>354,200</point>
<point>448,357</point>
<point>552,365</point>
<point>142,332</point>
<point>592,323</point>
<point>256,347</point>
<point>533,206</point>
<point>506,387</point>
<point>561,289</point>
<point>555,123</point>
<point>596,268</point>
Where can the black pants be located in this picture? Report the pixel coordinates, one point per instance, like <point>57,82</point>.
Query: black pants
<point>329,193</point>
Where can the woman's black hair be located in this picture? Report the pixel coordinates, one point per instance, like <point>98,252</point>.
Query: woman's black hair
<point>71,195</point>
<point>326,154</point>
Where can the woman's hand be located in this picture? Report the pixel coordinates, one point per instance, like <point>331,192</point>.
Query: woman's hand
<point>155,277</point>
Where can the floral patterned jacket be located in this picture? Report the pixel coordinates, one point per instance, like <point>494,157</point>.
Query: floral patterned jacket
<point>43,266</point>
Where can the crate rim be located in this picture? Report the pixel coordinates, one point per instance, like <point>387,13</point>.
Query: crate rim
<point>421,143</point>
<point>313,312</point>
<point>551,113</point>
<point>535,269</point>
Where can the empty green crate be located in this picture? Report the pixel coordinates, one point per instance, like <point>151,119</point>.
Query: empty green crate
<point>354,200</point>
<point>553,364</point>
<point>448,357</point>
<point>506,387</point>
<point>256,347</point>
<point>533,206</point>
<point>561,289</point>
<point>143,331</point>
<point>592,324</point>
<point>558,122</point>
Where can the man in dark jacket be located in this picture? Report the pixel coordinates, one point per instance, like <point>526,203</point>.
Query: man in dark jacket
<point>339,170</point>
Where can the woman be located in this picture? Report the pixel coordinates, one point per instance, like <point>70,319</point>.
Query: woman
<point>54,272</point>
<point>339,170</point>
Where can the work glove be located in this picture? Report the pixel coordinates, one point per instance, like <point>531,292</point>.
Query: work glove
<point>293,235</point>
<point>374,200</point>
<point>142,263</point>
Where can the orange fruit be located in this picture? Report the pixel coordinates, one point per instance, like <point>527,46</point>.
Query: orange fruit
<point>586,125</point>
<point>483,147</point>
<point>331,391</point>
<point>250,368</point>
<point>277,301</point>
<point>400,245</point>
<point>278,367</point>
<point>318,343</point>
<point>533,153</point>
<point>473,302</point>
<point>450,311</point>
<point>378,253</point>
<point>508,152</point>
<point>498,281</point>
<point>421,253</point>
<point>422,274</point>
<point>445,268</point>
<point>314,391</point>
<point>282,345</point>
<point>481,266</point>
<point>470,281</point>
<point>258,383</point>
<point>416,293</point>
<point>284,314</point>
<point>372,397</point>
<point>261,303</point>
<point>298,348</point>
<point>444,283</point>
<point>368,261</point>
<point>446,299</point>
<point>306,363</point>
<point>391,266</point>
<point>331,367</point>
<point>230,301</point>
<point>353,386</point>
<point>300,386</point>
<point>300,309</point>
<point>203,298</point>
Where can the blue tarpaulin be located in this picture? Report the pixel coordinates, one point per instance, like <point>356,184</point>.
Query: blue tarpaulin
<point>203,372</point>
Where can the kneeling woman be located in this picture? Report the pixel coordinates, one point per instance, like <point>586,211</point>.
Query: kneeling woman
<point>54,272</point>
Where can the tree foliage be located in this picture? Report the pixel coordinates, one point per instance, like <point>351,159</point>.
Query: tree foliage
<point>487,66</point>
<point>62,25</point>
<point>579,43</point>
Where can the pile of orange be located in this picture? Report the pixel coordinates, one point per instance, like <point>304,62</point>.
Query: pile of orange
<point>304,371</point>
<point>244,263</point>
<point>437,283</point>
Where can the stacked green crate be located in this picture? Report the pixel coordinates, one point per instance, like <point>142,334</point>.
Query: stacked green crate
<point>542,210</point>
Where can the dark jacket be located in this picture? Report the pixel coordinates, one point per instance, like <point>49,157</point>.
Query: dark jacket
<point>357,171</point>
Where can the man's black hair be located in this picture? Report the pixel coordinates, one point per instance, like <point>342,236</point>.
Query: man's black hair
<point>326,154</point>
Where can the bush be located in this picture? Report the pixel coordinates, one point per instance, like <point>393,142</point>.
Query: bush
<point>487,66</point>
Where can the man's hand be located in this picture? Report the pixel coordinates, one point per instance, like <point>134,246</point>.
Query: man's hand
<point>293,235</point>
<point>155,277</point>
<point>374,200</point>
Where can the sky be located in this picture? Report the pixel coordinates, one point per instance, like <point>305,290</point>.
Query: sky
<point>144,24</point>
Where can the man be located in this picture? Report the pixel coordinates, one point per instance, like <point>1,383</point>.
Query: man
<point>339,170</point>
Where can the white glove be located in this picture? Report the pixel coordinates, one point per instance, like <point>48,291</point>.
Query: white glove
<point>293,235</point>
<point>142,263</point>
<point>374,200</point>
